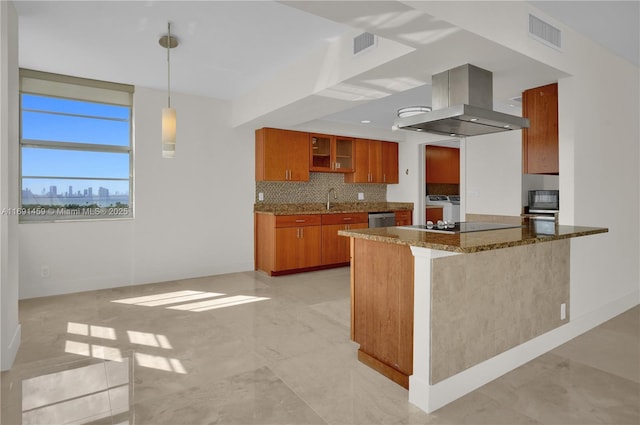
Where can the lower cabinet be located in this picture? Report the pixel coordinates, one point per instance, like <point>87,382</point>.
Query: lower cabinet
<point>404,218</point>
<point>335,248</point>
<point>297,247</point>
<point>287,242</point>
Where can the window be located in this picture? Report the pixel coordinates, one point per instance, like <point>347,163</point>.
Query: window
<point>75,148</point>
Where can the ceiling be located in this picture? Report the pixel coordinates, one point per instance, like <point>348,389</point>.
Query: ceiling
<point>229,48</point>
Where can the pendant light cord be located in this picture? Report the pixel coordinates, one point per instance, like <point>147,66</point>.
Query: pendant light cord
<point>169,64</point>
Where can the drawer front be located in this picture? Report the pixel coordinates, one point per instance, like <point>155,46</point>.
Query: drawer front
<point>345,218</point>
<point>298,220</point>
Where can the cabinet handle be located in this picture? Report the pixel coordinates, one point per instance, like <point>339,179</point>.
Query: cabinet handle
<point>347,218</point>
<point>384,178</point>
<point>302,233</point>
<point>300,221</point>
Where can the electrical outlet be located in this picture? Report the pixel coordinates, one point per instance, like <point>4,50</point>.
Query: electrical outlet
<point>360,196</point>
<point>44,272</point>
<point>260,196</point>
<point>563,311</point>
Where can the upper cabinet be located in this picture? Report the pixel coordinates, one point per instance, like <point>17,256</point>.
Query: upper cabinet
<point>282,155</point>
<point>540,140</point>
<point>442,164</point>
<point>376,162</point>
<point>390,163</point>
<point>288,155</point>
<point>331,153</point>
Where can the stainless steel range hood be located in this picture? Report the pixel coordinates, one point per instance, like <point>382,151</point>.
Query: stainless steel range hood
<point>462,102</point>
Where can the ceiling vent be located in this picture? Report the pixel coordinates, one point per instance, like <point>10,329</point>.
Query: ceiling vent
<point>544,32</point>
<point>362,42</point>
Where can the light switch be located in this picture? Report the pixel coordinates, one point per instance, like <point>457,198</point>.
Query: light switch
<point>260,196</point>
<point>360,196</point>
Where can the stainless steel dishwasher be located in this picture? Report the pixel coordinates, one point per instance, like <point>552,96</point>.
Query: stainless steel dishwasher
<point>382,219</point>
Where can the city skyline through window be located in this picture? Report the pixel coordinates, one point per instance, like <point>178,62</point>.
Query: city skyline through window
<point>75,157</point>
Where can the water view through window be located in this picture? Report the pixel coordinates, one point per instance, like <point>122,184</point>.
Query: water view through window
<point>75,159</point>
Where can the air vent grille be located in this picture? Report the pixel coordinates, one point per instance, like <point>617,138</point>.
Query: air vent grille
<point>363,42</point>
<point>544,32</point>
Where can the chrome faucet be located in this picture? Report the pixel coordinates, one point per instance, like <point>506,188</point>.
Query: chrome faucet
<point>329,199</point>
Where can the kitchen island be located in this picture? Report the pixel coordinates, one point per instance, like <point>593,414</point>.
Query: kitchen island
<point>442,314</point>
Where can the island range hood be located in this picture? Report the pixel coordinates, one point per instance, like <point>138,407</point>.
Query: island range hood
<point>462,103</point>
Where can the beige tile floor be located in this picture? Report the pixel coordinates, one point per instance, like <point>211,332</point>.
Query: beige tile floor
<point>244,348</point>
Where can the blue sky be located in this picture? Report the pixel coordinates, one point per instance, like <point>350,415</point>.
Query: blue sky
<point>63,120</point>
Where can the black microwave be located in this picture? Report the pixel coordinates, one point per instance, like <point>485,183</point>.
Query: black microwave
<point>544,201</point>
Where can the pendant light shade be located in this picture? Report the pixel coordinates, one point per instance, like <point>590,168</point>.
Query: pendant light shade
<point>168,114</point>
<point>168,132</point>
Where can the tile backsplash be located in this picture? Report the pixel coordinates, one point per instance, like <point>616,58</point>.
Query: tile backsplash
<point>316,189</point>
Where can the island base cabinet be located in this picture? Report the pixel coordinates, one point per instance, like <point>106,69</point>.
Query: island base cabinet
<point>382,307</point>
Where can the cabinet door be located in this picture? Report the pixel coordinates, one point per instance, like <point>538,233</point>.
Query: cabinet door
<point>361,172</point>
<point>540,140</point>
<point>320,152</point>
<point>286,246</point>
<point>443,165</point>
<point>310,241</point>
<point>404,218</point>
<point>298,156</point>
<point>343,154</point>
<point>282,155</point>
<point>334,248</point>
<point>434,214</point>
<point>271,155</point>
<point>375,161</point>
<point>390,162</point>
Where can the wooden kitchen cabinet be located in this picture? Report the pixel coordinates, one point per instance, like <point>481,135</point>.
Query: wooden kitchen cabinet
<point>287,243</point>
<point>540,140</point>
<point>434,214</point>
<point>333,154</point>
<point>382,307</point>
<point>390,163</point>
<point>335,248</point>
<point>376,162</point>
<point>282,155</point>
<point>442,165</point>
<point>404,218</point>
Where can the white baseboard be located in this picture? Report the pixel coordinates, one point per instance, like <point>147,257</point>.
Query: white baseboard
<point>9,355</point>
<point>432,397</point>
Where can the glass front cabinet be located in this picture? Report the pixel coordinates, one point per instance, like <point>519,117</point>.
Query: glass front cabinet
<point>331,153</point>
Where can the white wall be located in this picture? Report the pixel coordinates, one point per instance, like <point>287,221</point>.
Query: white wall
<point>494,174</point>
<point>193,213</point>
<point>599,153</point>
<point>9,326</point>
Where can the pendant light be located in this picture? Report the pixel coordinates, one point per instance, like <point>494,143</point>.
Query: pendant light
<point>168,113</point>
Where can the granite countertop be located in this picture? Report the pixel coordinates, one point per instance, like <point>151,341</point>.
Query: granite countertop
<point>336,208</point>
<point>472,241</point>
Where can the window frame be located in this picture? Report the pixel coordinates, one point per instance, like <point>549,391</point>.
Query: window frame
<point>51,85</point>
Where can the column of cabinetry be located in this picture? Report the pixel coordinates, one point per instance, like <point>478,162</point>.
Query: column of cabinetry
<point>335,248</point>
<point>540,140</point>
<point>331,153</point>
<point>282,155</point>
<point>376,162</point>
